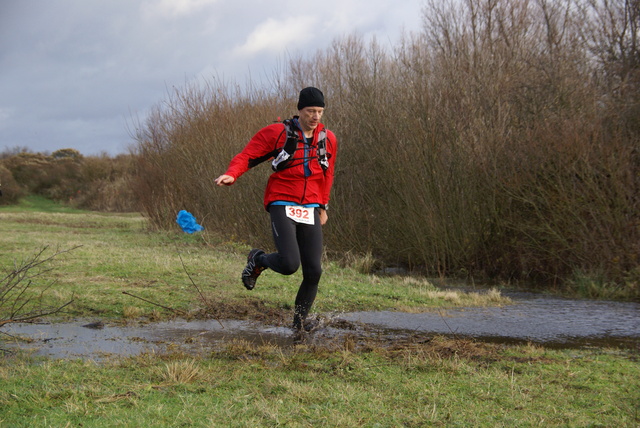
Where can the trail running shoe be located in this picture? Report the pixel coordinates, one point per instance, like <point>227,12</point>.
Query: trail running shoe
<point>252,271</point>
<point>306,325</point>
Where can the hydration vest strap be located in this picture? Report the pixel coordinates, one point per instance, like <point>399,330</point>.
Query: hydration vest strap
<point>258,161</point>
<point>323,159</point>
<point>284,156</point>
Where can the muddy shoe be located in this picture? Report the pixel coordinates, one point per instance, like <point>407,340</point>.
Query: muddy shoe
<point>306,326</point>
<point>252,271</point>
<point>310,325</point>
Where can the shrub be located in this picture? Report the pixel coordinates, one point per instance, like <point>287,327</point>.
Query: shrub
<point>96,182</point>
<point>491,144</point>
<point>11,190</point>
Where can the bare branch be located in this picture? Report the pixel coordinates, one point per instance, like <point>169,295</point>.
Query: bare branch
<point>18,302</point>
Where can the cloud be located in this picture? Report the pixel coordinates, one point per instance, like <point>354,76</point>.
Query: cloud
<point>171,8</point>
<point>74,71</point>
<point>5,115</point>
<point>272,35</point>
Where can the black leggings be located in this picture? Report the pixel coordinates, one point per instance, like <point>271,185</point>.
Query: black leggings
<point>297,243</point>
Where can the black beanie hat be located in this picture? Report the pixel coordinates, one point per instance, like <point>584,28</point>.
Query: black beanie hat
<point>310,97</point>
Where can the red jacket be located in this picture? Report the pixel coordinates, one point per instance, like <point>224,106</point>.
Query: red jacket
<point>290,184</point>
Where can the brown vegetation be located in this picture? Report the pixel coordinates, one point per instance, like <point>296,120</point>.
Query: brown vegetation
<point>97,183</point>
<point>502,141</point>
<point>16,303</point>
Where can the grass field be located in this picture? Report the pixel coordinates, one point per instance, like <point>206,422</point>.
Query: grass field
<point>108,254</point>
<point>439,382</point>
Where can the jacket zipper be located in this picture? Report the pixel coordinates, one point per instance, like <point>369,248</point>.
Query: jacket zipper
<point>304,168</point>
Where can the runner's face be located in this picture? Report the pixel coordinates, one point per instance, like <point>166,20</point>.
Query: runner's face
<point>310,118</point>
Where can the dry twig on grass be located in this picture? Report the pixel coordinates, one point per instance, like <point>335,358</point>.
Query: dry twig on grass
<point>18,301</point>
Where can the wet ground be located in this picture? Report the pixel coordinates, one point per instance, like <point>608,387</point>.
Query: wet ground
<point>549,321</point>
<point>536,318</point>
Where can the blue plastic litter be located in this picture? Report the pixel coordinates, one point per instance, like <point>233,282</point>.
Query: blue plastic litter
<point>187,222</point>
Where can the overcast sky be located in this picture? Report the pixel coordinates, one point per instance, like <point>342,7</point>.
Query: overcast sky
<point>73,73</point>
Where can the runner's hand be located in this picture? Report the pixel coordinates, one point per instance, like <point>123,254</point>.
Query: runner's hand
<point>224,180</point>
<point>323,217</point>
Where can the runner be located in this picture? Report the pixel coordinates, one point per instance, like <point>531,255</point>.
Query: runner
<point>296,196</point>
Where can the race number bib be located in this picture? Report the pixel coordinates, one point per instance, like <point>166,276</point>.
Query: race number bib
<point>300,214</point>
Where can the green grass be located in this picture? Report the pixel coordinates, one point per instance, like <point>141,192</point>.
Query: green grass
<point>442,382</point>
<point>35,203</point>
<point>471,385</point>
<point>116,253</point>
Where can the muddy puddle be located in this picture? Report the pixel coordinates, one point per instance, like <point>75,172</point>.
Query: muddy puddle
<point>552,321</point>
<point>82,339</point>
<point>532,318</point>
